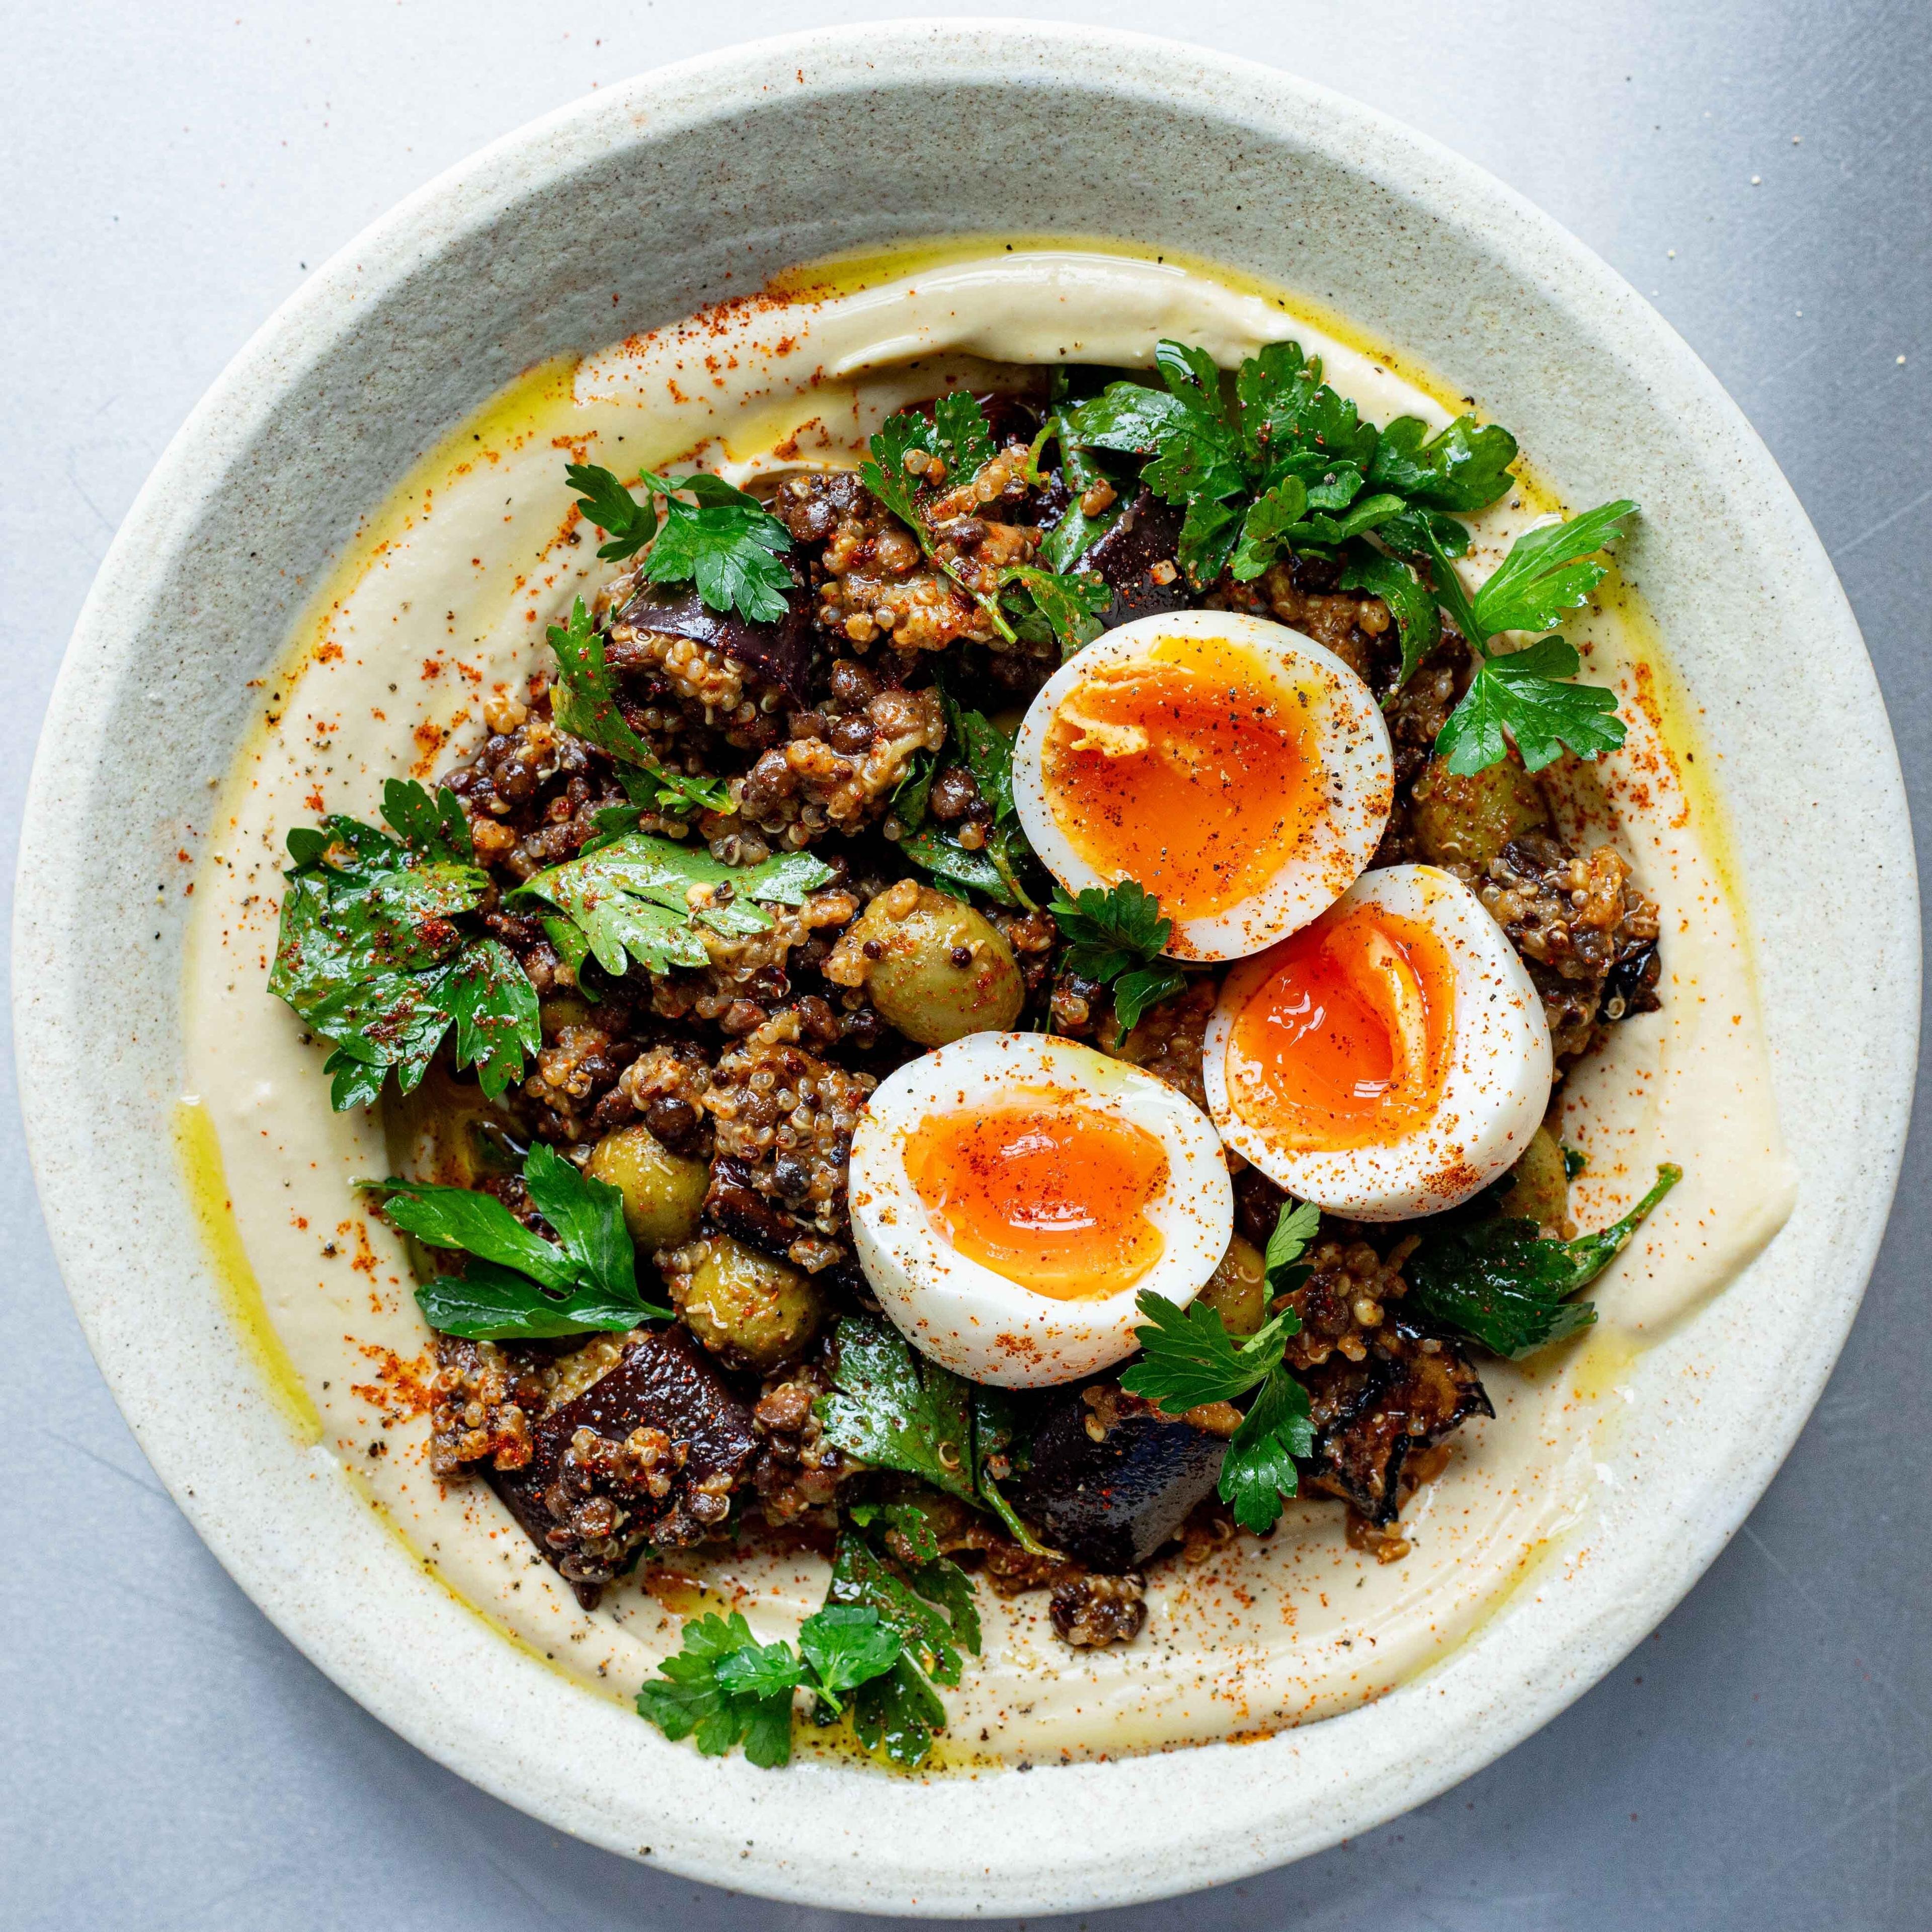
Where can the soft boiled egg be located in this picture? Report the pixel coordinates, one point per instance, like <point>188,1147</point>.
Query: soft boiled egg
<point>1012,1193</point>
<point>1237,770</point>
<point>1390,1059</point>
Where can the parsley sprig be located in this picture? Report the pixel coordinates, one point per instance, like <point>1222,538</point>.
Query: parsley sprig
<point>725,542</point>
<point>1287,463</point>
<point>515,1284</point>
<point>723,1688</point>
<point>1188,1359</point>
<point>1117,936</point>
<point>585,704</point>
<point>640,899</point>
<point>1040,605</point>
<point>375,953</point>
<point>1548,571</point>
<point>1496,1278</point>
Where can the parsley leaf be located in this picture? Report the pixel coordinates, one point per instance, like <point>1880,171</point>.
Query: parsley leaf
<point>1117,936</point>
<point>517,1284</point>
<point>1548,571</point>
<point>725,542</point>
<point>931,1612</point>
<point>641,898</point>
<point>1524,690</point>
<point>1188,1359</point>
<point>612,508</point>
<point>1258,1469</point>
<point>1076,533</point>
<point>1418,625</point>
<point>847,1645</point>
<point>1049,606</point>
<point>371,955</point>
<point>725,1689</point>
<point>1497,1279</point>
<point>584,703</point>
<point>1462,468</point>
<point>897,1410</point>
<point>1111,930</point>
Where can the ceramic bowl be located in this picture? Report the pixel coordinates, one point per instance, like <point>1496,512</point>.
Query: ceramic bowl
<point>744,162</point>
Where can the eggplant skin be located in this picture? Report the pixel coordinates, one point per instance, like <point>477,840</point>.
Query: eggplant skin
<point>780,653</point>
<point>664,1382</point>
<point>1112,1503</point>
<point>1148,534</point>
<point>1414,1388</point>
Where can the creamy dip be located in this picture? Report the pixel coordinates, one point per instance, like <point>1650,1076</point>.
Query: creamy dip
<point>443,598</point>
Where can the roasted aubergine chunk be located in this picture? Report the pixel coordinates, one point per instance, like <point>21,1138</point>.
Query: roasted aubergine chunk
<point>1412,1389</point>
<point>1110,1479</point>
<point>651,1452</point>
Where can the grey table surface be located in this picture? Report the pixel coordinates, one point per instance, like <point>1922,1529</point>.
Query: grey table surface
<point>1757,167</point>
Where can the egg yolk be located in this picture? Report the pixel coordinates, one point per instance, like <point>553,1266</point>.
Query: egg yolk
<point>1048,1192</point>
<point>1190,769</point>
<point>1345,1043</point>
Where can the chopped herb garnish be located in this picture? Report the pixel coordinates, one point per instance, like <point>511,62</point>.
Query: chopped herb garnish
<point>373,954</point>
<point>1548,571</point>
<point>584,703</point>
<point>1498,1279</point>
<point>1188,1359</point>
<point>1049,606</point>
<point>1117,935</point>
<point>641,898</point>
<point>723,1688</point>
<point>1287,463</point>
<point>517,1284</point>
<point>725,542</point>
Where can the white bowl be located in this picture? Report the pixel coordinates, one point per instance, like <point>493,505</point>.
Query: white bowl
<point>742,163</point>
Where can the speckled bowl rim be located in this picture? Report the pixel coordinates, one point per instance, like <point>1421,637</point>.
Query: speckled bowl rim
<point>98,1034</point>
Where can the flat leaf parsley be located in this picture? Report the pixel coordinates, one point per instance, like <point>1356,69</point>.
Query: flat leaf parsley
<point>516,1284</point>
<point>1117,936</point>
<point>725,542</point>
<point>1548,571</point>
<point>723,1687</point>
<point>1498,1279</point>
<point>1188,1359</point>
<point>373,953</point>
<point>641,898</point>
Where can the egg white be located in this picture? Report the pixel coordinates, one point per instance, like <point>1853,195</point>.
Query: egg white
<point>963,1315</point>
<point>1496,1092</point>
<point>1358,775</point>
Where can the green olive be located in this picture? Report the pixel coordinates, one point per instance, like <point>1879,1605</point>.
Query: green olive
<point>750,1311</point>
<point>1471,819</point>
<point>942,970</point>
<point>664,1192</point>
<point>556,1011</point>
<point>1539,1184</point>
<point>1237,1289</point>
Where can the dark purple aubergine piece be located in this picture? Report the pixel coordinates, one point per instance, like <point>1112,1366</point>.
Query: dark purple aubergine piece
<point>780,653</point>
<point>664,1381</point>
<point>1111,1504</point>
<point>1148,533</point>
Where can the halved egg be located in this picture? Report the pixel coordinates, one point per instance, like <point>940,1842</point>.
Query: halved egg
<point>1237,770</point>
<point>1390,1059</point>
<point>1012,1193</point>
